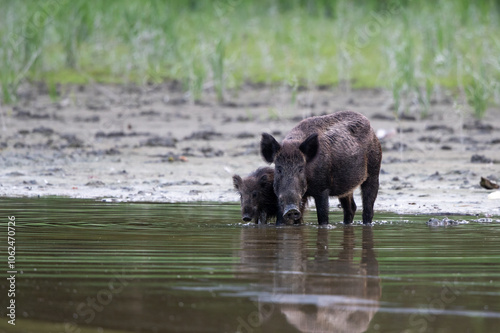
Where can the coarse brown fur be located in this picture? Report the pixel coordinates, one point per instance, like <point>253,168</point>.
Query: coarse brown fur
<point>258,201</point>
<point>326,156</point>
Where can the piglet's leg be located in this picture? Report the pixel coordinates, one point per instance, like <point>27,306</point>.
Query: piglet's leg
<point>322,207</point>
<point>262,218</point>
<point>279,218</point>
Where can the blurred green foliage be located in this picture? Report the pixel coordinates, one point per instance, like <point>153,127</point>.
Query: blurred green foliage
<point>414,48</point>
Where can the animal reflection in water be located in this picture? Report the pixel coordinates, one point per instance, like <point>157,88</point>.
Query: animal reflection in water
<point>315,288</point>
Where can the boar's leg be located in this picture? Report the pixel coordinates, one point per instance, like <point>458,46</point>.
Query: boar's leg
<point>279,218</point>
<point>322,207</point>
<point>369,191</point>
<point>349,207</point>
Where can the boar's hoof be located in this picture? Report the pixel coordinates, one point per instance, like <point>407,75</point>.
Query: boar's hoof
<point>292,213</point>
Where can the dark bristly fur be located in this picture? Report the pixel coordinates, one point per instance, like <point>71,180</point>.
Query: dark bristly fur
<point>258,201</point>
<point>326,156</point>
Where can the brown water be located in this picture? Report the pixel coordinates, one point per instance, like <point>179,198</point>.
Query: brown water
<point>86,266</point>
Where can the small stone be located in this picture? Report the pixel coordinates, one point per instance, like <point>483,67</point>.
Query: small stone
<point>476,158</point>
<point>43,130</point>
<point>445,222</point>
<point>95,183</point>
<point>488,184</point>
<point>161,142</point>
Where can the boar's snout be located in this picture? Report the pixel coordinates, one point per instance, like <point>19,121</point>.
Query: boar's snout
<point>292,212</point>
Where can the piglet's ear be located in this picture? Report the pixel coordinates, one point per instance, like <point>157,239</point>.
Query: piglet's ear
<point>310,147</point>
<point>269,147</point>
<point>237,182</point>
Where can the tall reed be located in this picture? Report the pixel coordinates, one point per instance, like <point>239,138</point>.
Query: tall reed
<point>409,47</point>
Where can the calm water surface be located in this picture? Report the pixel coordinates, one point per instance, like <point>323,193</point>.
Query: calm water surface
<point>86,266</point>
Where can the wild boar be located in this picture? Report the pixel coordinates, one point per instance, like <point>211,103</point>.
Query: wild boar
<point>258,201</point>
<point>325,156</point>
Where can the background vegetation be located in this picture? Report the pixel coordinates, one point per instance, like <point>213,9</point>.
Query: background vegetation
<point>413,48</point>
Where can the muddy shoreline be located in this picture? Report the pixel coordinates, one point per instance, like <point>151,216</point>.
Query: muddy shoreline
<point>131,143</point>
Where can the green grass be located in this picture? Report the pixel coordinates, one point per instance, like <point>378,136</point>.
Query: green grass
<point>409,47</point>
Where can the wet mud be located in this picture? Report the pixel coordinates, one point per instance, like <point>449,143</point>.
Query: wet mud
<point>132,143</point>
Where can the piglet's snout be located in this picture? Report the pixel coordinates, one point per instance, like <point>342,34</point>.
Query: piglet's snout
<point>292,212</point>
<point>247,218</point>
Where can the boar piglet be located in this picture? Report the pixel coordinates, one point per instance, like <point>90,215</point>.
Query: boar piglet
<point>326,156</point>
<point>258,201</point>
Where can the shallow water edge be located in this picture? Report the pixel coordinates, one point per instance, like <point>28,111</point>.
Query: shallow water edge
<point>91,266</point>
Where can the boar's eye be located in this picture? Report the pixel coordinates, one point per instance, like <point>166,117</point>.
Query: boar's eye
<point>254,194</point>
<point>279,170</point>
<point>301,169</point>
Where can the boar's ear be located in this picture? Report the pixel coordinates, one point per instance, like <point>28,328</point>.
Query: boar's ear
<point>310,146</point>
<point>269,147</point>
<point>237,182</point>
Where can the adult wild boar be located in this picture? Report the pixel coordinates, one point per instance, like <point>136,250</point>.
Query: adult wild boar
<point>258,201</point>
<point>326,156</point>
